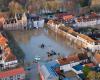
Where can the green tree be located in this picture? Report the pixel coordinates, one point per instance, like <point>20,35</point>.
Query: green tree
<point>86,70</point>
<point>91,75</point>
<point>97,76</point>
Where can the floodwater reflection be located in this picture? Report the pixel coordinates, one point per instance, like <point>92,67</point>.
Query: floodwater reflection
<point>30,42</point>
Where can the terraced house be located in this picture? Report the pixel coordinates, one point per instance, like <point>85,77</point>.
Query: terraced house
<point>9,68</point>
<point>82,40</point>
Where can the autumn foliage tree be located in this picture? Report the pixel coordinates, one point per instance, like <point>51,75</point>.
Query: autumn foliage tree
<point>15,7</point>
<point>38,5</point>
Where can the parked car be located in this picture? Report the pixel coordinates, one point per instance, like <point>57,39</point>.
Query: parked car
<point>37,58</point>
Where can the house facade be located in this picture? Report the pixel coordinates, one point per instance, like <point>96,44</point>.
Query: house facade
<point>15,23</point>
<point>62,68</point>
<point>9,68</point>
<point>14,74</point>
<point>83,40</point>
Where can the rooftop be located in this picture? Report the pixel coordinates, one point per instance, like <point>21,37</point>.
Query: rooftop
<point>70,74</point>
<point>72,32</point>
<point>68,17</point>
<point>97,57</point>
<point>86,38</point>
<point>2,38</point>
<point>73,58</point>
<point>91,17</point>
<point>90,64</point>
<point>9,57</point>
<point>78,67</point>
<point>12,72</point>
<point>7,50</point>
<point>66,29</point>
<point>82,56</point>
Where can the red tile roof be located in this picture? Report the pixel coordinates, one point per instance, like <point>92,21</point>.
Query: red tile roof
<point>2,20</point>
<point>12,72</point>
<point>7,50</point>
<point>2,38</point>
<point>86,38</point>
<point>97,57</point>
<point>73,58</point>
<point>50,21</point>
<point>9,57</point>
<point>67,17</point>
<point>90,64</point>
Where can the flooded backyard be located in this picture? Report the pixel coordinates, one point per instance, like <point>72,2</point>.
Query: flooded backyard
<point>30,42</point>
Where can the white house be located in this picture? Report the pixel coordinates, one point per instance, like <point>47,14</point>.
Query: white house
<point>14,23</point>
<point>14,74</point>
<point>84,40</point>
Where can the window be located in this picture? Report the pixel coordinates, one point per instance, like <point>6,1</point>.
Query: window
<point>1,65</point>
<point>6,79</point>
<point>18,76</point>
<point>11,77</point>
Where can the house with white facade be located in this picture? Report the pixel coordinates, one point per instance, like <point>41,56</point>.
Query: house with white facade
<point>67,68</point>
<point>9,69</point>
<point>89,20</point>
<point>83,40</point>
<point>15,23</point>
<point>13,74</point>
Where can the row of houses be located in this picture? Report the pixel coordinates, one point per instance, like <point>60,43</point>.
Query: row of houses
<point>14,23</point>
<point>83,41</point>
<point>21,23</point>
<point>68,68</point>
<point>9,66</point>
<point>89,20</point>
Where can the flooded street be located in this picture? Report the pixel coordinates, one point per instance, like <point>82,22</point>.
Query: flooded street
<point>30,42</point>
